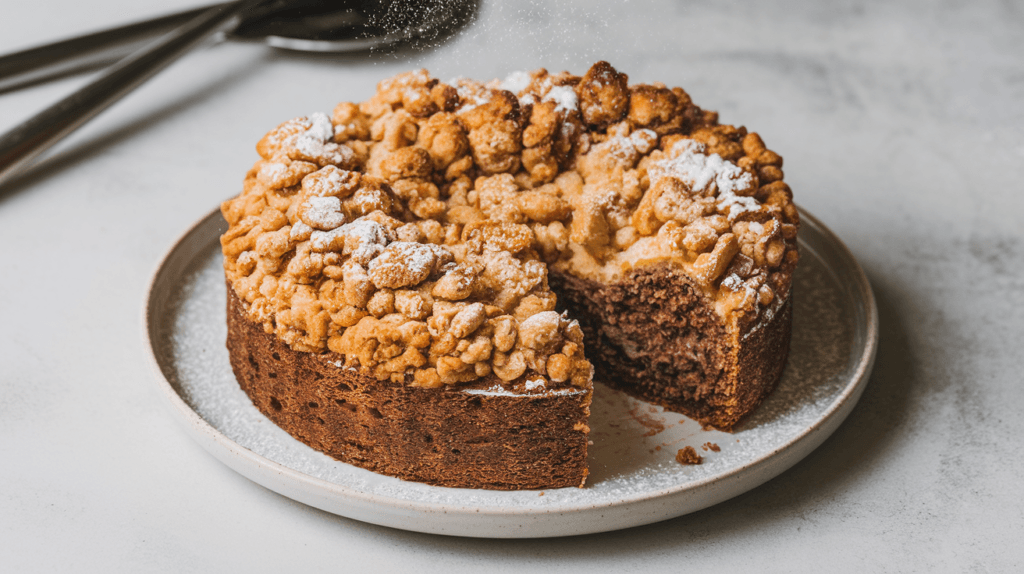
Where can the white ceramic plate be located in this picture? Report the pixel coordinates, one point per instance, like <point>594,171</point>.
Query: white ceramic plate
<point>634,478</point>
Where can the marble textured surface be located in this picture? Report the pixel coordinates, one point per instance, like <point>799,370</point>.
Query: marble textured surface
<point>902,125</point>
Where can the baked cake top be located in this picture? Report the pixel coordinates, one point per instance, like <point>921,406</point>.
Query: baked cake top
<point>412,233</point>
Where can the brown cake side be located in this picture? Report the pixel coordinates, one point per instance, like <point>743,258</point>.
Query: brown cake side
<point>654,336</point>
<point>478,436</point>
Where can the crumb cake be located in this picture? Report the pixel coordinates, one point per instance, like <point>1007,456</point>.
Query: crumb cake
<point>426,284</point>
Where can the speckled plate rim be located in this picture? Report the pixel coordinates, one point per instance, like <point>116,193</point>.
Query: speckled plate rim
<point>518,522</point>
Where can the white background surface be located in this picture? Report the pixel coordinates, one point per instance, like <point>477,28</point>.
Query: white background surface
<point>902,126</point>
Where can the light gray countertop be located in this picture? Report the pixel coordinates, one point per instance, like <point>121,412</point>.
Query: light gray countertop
<point>902,127</point>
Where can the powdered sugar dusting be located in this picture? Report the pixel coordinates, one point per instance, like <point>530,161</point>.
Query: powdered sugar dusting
<point>471,94</point>
<point>328,182</point>
<point>733,281</point>
<point>417,257</point>
<point>626,147</point>
<point>564,98</point>
<point>369,235</point>
<point>316,141</point>
<point>688,163</point>
<point>322,130</point>
<point>300,229</point>
<point>324,212</point>
<point>516,81</point>
<point>272,170</point>
<point>736,204</point>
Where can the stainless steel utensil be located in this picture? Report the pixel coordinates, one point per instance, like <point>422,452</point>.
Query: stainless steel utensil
<point>85,53</point>
<point>309,25</point>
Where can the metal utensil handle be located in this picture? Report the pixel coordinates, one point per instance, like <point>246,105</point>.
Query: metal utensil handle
<point>26,141</point>
<point>87,52</point>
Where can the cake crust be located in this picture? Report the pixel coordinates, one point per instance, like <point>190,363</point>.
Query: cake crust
<point>477,436</point>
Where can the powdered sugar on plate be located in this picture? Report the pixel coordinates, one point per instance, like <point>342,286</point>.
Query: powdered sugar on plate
<point>631,459</point>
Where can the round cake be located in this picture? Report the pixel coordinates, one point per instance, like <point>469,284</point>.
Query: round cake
<point>426,284</point>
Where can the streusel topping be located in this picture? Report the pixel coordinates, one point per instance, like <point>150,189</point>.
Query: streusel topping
<point>412,233</point>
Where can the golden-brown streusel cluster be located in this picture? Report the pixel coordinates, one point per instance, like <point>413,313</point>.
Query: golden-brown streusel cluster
<point>412,233</point>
